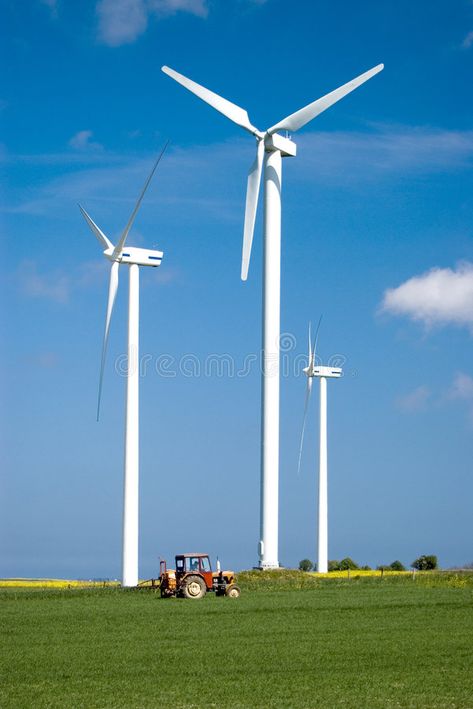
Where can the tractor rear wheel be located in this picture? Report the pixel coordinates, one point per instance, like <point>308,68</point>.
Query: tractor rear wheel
<point>233,591</point>
<point>194,587</point>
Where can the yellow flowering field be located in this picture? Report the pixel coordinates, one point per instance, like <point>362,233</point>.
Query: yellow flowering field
<point>359,572</point>
<point>54,583</point>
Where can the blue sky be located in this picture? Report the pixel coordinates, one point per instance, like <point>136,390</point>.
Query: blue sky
<point>377,235</point>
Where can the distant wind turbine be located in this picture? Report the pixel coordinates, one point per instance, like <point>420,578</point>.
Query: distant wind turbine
<point>323,373</point>
<point>133,257</point>
<point>270,148</point>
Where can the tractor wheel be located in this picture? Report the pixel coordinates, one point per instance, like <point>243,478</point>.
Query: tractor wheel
<point>194,587</point>
<point>232,591</point>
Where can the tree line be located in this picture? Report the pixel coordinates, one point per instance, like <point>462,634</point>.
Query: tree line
<point>426,562</point>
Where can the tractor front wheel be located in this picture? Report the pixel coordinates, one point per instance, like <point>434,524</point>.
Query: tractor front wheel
<point>232,591</point>
<point>194,587</point>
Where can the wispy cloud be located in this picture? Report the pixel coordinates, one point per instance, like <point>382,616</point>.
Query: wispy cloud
<point>45,360</point>
<point>415,400</point>
<point>123,21</point>
<point>195,175</point>
<point>53,286</point>
<point>170,7</point>
<point>462,389</point>
<point>52,5</point>
<point>83,141</point>
<point>468,41</point>
<point>384,150</point>
<point>59,286</point>
<point>423,398</point>
<point>441,296</point>
<point>192,177</point>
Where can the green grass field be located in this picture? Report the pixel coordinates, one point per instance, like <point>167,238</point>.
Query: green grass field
<point>297,642</point>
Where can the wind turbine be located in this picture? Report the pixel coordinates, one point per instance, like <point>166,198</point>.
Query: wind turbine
<point>271,147</point>
<point>133,257</point>
<point>323,373</point>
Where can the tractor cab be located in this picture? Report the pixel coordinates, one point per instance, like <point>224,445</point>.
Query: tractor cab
<point>195,564</point>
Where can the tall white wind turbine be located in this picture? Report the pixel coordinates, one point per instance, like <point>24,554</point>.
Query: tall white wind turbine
<point>133,257</point>
<point>271,147</point>
<point>323,373</point>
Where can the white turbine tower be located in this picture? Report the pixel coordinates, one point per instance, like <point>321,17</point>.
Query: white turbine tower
<point>271,148</point>
<point>323,373</point>
<point>133,258</point>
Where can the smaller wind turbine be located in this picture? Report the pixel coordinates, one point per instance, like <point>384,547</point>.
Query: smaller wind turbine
<point>133,257</point>
<point>323,373</point>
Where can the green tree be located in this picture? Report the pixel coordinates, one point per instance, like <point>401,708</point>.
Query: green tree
<point>394,566</point>
<point>426,562</point>
<point>348,563</point>
<point>333,565</point>
<point>306,565</point>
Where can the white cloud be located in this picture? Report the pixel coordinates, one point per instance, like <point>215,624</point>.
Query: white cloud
<point>345,156</point>
<point>60,287</point>
<point>441,296</point>
<point>468,41</point>
<point>420,398</point>
<point>102,181</point>
<point>45,360</point>
<point>82,141</point>
<point>122,21</point>
<point>53,6</point>
<point>51,286</point>
<point>415,400</point>
<point>384,150</point>
<point>170,7</point>
<point>462,387</point>
<point>346,159</point>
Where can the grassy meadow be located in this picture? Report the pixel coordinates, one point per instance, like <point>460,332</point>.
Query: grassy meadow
<point>292,640</point>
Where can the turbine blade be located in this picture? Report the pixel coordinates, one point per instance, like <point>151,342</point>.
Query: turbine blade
<point>97,231</point>
<point>119,247</point>
<point>316,340</point>
<point>230,110</point>
<point>112,292</point>
<point>310,345</point>
<point>252,193</point>
<point>306,406</point>
<point>304,115</point>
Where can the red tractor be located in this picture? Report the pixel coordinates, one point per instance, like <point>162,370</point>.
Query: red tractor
<point>193,577</point>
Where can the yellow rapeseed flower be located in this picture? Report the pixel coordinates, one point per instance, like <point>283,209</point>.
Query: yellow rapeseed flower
<point>54,583</point>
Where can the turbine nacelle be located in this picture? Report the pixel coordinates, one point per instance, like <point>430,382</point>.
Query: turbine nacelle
<point>274,141</point>
<point>322,371</point>
<point>133,254</point>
